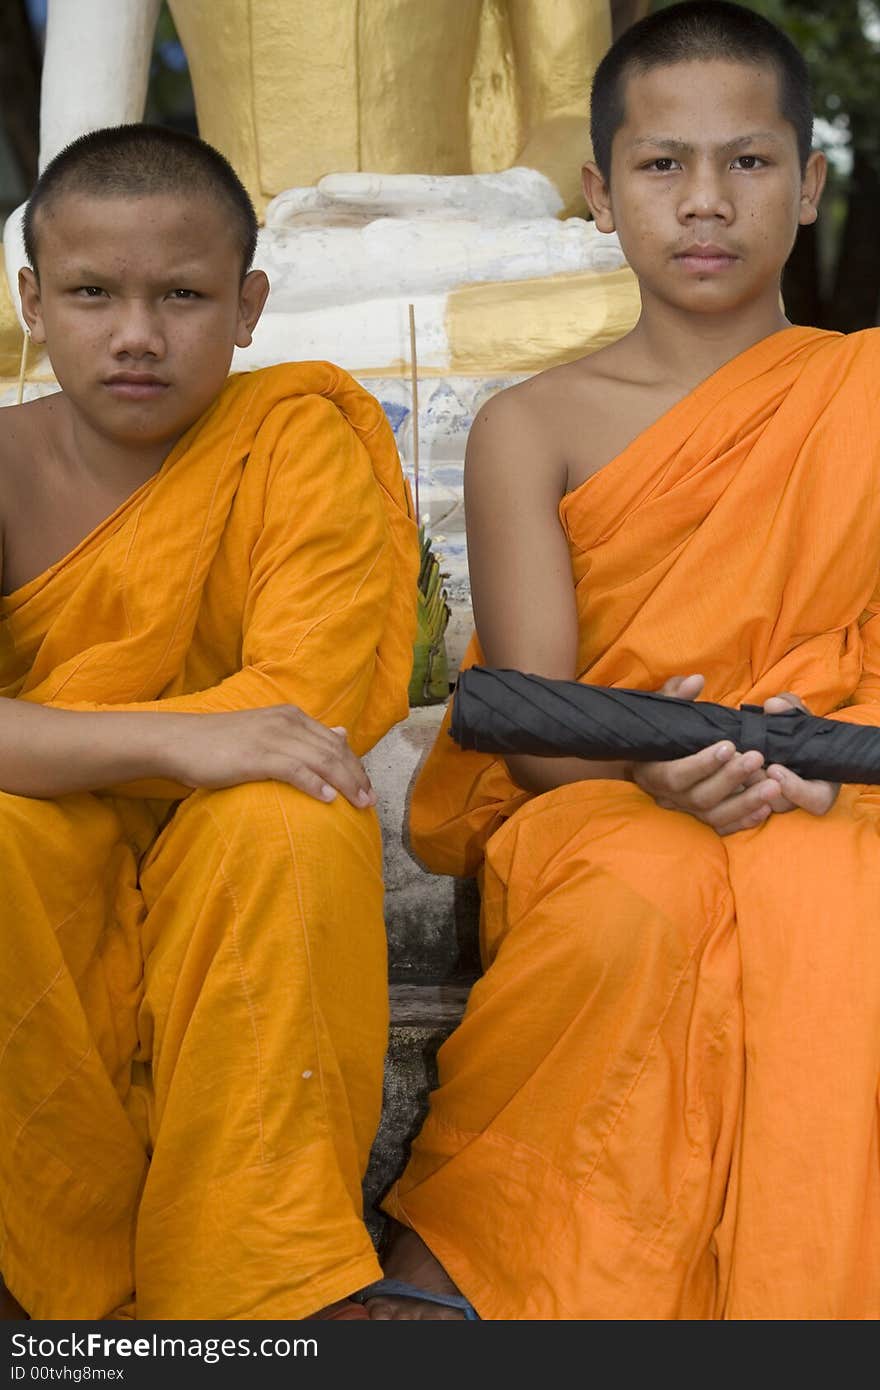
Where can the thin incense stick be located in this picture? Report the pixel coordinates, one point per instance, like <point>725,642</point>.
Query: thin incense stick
<point>414,377</point>
<point>22,369</point>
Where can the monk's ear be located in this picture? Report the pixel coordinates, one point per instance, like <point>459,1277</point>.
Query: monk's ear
<point>31,303</point>
<point>252,299</point>
<point>598,195</point>
<point>811,188</point>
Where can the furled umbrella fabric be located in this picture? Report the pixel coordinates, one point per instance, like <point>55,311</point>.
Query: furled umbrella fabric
<point>500,711</point>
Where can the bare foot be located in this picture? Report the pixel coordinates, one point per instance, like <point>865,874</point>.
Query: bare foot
<point>10,1309</point>
<point>344,1308</point>
<point>407,1257</point>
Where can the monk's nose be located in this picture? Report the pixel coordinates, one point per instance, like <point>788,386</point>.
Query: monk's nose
<point>706,196</point>
<point>137,331</point>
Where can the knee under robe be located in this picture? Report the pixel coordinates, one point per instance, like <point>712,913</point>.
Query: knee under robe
<point>662,1101</point>
<point>193,1007</point>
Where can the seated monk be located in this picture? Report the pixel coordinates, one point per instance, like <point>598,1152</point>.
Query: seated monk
<point>662,1100</point>
<point>207,616</point>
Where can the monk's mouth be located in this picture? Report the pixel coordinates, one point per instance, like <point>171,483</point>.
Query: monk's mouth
<point>135,389</point>
<point>706,262</point>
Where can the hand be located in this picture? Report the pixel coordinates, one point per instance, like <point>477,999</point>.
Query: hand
<point>517,194</point>
<point>812,795</point>
<point>279,744</point>
<point>726,790</point>
<point>14,256</point>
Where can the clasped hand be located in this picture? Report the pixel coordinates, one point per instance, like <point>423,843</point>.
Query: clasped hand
<point>727,790</point>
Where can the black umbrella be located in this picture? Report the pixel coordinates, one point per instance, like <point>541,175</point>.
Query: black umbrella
<point>510,712</point>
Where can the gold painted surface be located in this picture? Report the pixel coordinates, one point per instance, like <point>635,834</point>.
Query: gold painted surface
<point>495,117</point>
<point>216,36</point>
<point>559,45</point>
<point>10,329</point>
<point>415,63</point>
<point>290,90</point>
<point>528,325</point>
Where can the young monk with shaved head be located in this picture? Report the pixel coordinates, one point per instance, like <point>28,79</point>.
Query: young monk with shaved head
<point>662,1100</point>
<point>207,614</point>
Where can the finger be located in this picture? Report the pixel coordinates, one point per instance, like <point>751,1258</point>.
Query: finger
<point>325,784</point>
<point>735,778</point>
<point>310,782</point>
<point>327,752</point>
<point>751,779</point>
<point>702,780</point>
<point>782,703</point>
<point>682,687</point>
<point>749,808</point>
<point>814,796</point>
<point>678,775</point>
<point>750,822</point>
<point>342,770</point>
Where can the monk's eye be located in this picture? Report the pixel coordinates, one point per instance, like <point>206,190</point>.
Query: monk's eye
<point>664,165</point>
<point>184,294</point>
<point>89,291</point>
<point>748,162</point>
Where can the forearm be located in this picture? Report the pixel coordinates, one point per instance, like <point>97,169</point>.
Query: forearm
<point>544,774</point>
<point>51,752</point>
<point>258,687</point>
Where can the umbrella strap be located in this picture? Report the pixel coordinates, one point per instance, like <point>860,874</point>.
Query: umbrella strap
<point>753,729</point>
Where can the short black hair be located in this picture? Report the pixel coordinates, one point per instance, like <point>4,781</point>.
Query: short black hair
<point>698,29</point>
<point>138,160</point>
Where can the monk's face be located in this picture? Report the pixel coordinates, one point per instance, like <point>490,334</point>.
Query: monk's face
<point>140,303</point>
<point>706,191</point>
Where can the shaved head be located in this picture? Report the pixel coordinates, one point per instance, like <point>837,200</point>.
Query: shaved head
<point>706,30</point>
<point>137,161</point>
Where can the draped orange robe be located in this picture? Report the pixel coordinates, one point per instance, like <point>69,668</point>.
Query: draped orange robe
<point>662,1101</point>
<point>192,1000</point>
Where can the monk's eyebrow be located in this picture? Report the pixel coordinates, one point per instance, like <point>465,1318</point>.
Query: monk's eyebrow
<point>664,142</point>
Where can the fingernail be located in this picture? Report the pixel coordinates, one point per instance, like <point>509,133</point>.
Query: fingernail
<point>723,751</point>
<point>339,729</point>
<point>328,792</point>
<point>363,798</point>
<point>776,773</point>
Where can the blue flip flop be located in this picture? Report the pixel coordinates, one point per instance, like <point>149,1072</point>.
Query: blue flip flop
<point>396,1288</point>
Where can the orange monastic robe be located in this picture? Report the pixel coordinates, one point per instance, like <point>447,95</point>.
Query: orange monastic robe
<point>193,1002</point>
<point>662,1100</point>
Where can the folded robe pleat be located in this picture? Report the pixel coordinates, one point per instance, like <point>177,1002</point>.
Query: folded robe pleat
<point>663,1099</point>
<point>193,1011</point>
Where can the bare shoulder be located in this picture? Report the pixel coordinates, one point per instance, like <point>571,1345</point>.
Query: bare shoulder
<point>26,433</point>
<point>22,426</point>
<point>15,436</point>
<point>558,421</point>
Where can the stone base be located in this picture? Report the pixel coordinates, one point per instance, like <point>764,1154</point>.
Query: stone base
<point>422,1017</point>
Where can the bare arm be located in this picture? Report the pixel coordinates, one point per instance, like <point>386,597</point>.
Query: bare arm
<point>520,570</point>
<point>51,752</point>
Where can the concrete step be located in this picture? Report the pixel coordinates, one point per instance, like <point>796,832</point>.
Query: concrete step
<point>433,956</point>
<point>422,1017</point>
<point>432,920</point>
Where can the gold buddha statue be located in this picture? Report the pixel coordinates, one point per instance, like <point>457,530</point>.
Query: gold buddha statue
<point>459,125</point>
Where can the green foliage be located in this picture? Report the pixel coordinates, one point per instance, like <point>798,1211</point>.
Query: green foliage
<point>169,94</point>
<point>841,43</point>
<point>429,683</point>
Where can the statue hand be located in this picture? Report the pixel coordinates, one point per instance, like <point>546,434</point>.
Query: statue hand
<point>514,195</point>
<point>13,246</point>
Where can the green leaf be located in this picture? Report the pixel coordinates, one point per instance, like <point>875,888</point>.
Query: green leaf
<point>429,682</point>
